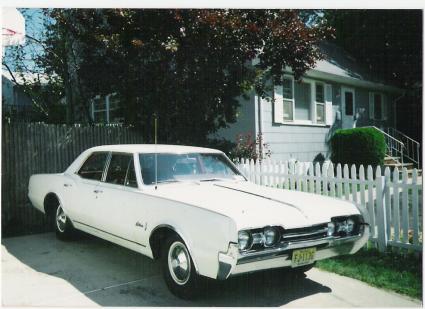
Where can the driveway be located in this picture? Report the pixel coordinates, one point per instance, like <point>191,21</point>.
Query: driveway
<point>39,270</point>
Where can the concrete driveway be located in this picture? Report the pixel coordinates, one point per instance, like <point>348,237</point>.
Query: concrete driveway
<point>39,270</point>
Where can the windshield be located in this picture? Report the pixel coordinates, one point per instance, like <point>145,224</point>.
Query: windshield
<point>189,166</point>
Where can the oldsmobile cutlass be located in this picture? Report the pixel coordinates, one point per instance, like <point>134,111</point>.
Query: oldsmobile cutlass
<point>193,210</point>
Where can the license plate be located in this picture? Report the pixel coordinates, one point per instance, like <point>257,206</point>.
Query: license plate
<point>303,257</point>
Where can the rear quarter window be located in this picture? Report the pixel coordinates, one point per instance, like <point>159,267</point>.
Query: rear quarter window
<point>94,166</point>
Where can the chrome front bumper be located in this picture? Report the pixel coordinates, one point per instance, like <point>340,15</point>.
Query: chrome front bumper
<point>233,262</point>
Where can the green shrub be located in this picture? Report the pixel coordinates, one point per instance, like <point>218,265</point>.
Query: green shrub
<point>358,146</point>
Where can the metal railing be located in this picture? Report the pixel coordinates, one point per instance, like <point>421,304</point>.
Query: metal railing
<point>412,148</point>
<point>395,147</point>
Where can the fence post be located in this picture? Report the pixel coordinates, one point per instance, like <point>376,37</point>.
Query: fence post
<point>381,210</point>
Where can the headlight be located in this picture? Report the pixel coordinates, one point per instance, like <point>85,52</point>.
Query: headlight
<point>331,228</point>
<point>271,236</point>
<point>244,240</point>
<point>350,225</point>
<point>345,226</point>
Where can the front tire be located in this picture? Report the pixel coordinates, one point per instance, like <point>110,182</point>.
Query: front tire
<point>63,226</point>
<point>178,269</point>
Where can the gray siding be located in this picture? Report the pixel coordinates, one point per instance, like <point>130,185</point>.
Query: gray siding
<point>303,142</point>
<point>286,142</point>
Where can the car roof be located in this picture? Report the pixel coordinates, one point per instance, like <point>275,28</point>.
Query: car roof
<point>152,148</point>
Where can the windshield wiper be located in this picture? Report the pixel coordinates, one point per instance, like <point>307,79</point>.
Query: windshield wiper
<point>212,179</point>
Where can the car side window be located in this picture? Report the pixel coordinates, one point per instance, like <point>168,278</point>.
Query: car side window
<point>94,166</point>
<point>131,180</point>
<point>121,170</point>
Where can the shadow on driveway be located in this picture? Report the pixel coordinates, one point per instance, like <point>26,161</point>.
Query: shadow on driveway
<point>102,273</point>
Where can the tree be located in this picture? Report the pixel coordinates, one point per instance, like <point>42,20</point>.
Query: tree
<point>186,66</point>
<point>389,42</point>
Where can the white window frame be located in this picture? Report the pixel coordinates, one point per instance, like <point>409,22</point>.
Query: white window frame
<point>287,99</point>
<point>313,103</point>
<point>106,108</point>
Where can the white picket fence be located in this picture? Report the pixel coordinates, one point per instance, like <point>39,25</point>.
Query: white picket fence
<point>393,199</point>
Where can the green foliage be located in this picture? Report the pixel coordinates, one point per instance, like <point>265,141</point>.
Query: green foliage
<point>187,66</point>
<point>358,146</point>
<point>220,144</point>
<point>401,273</point>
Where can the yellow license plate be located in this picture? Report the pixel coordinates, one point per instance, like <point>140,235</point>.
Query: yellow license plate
<point>303,257</point>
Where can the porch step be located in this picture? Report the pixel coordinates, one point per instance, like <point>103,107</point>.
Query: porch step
<point>391,158</point>
<point>399,165</point>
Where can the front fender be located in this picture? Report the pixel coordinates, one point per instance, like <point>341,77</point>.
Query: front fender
<point>205,233</point>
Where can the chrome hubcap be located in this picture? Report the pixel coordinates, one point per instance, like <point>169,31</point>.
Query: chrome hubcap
<point>60,219</point>
<point>179,263</point>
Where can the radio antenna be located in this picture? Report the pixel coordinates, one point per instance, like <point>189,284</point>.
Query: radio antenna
<point>156,152</point>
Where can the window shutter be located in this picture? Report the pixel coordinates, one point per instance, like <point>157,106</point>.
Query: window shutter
<point>328,108</point>
<point>278,104</point>
<point>384,108</point>
<point>371,106</point>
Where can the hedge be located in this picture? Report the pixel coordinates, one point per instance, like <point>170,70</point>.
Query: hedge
<point>358,146</point>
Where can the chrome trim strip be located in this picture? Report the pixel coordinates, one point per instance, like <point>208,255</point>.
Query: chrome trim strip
<point>292,235</point>
<point>244,257</point>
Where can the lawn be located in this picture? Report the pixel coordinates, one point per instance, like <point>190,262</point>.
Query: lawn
<point>401,273</point>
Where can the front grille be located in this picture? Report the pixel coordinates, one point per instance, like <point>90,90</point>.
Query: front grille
<point>305,233</point>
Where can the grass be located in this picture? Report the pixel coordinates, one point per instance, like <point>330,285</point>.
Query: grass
<point>401,273</point>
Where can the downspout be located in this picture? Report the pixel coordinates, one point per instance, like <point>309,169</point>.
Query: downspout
<point>260,125</point>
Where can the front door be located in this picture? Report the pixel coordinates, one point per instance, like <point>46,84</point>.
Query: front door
<point>121,206</point>
<point>348,108</point>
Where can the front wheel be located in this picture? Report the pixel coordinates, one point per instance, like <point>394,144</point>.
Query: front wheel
<point>178,269</point>
<point>63,226</point>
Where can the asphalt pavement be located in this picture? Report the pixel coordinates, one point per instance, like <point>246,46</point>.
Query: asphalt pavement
<point>39,270</point>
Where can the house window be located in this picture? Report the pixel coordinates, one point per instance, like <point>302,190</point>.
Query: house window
<point>307,102</point>
<point>320,103</point>
<point>99,110</point>
<point>320,113</point>
<point>303,101</point>
<point>288,98</point>
<point>377,104</point>
<point>106,109</point>
<point>349,104</point>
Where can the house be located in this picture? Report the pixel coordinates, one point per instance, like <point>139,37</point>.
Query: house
<point>15,102</point>
<point>299,120</point>
<point>106,109</point>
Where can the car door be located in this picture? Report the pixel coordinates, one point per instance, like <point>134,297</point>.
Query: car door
<point>82,192</point>
<point>120,203</point>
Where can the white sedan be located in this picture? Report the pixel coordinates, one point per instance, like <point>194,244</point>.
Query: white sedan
<point>193,210</point>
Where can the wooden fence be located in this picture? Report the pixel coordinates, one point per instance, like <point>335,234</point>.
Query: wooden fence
<point>31,148</point>
<point>392,198</point>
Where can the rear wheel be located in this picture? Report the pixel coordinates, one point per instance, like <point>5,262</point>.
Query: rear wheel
<point>63,226</point>
<point>178,269</point>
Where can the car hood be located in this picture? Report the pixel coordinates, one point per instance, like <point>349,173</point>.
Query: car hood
<point>253,206</point>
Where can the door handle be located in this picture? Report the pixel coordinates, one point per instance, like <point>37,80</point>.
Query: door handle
<point>98,191</point>
<point>67,185</point>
